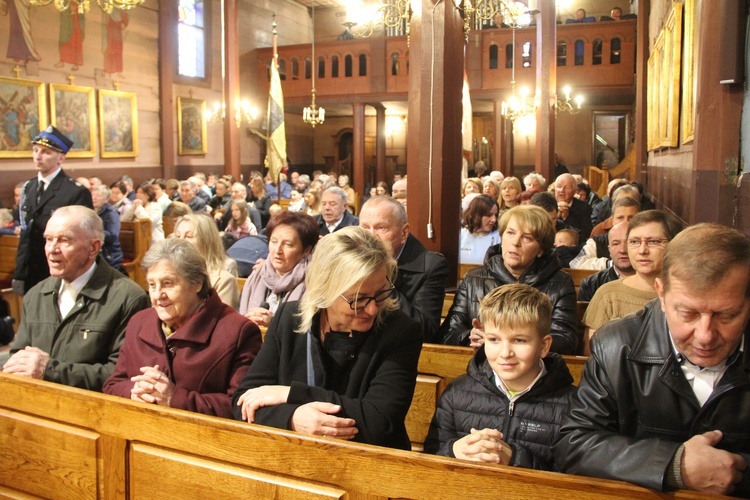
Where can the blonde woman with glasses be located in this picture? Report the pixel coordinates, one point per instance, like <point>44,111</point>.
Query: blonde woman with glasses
<point>341,362</point>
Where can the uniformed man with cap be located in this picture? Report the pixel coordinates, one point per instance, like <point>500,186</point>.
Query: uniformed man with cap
<point>42,195</point>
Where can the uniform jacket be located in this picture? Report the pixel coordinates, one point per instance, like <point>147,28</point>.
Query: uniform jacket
<point>348,220</point>
<point>545,275</point>
<point>206,358</point>
<point>634,406</point>
<point>421,286</point>
<point>591,284</point>
<point>372,375</point>
<point>84,346</point>
<point>31,262</point>
<point>530,424</point>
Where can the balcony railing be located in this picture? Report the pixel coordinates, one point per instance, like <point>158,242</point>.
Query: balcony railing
<point>590,56</point>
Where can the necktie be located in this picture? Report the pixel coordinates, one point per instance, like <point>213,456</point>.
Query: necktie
<point>39,192</point>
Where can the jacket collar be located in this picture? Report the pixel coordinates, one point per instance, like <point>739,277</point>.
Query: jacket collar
<point>412,256</point>
<point>94,289</point>
<point>197,330</point>
<point>654,326</point>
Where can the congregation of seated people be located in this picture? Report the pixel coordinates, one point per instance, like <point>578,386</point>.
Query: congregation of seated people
<point>346,296</point>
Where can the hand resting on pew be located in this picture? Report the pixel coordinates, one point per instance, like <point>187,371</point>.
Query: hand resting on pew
<point>152,386</point>
<point>30,362</point>
<point>484,445</point>
<point>313,418</point>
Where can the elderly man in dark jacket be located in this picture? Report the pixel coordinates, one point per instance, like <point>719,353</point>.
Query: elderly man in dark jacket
<point>421,274</point>
<point>664,398</point>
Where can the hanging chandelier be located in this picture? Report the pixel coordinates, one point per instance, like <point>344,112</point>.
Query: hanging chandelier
<point>388,15</point>
<point>244,112</point>
<point>567,105</point>
<point>312,114</point>
<point>84,6</point>
<point>517,106</point>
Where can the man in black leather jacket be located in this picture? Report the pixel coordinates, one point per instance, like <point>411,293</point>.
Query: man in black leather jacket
<point>665,397</point>
<point>621,266</point>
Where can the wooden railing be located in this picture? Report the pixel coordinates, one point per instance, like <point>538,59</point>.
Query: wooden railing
<point>378,67</point>
<point>63,442</point>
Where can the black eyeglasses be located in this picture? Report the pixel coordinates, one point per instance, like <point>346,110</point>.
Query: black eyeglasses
<point>379,298</point>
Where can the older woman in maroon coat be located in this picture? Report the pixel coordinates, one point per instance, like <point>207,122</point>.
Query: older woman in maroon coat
<point>189,350</point>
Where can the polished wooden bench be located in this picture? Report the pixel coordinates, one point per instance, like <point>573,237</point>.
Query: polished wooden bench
<point>62,442</point>
<point>579,275</point>
<point>135,240</point>
<point>8,250</point>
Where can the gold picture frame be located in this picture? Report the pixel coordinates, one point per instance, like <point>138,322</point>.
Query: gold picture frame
<point>654,94</point>
<point>191,126</point>
<point>23,116</point>
<point>118,124</point>
<point>689,69</point>
<point>72,111</point>
<point>670,77</point>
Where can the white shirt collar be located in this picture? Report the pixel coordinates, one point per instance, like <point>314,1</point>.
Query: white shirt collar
<point>47,180</point>
<point>80,282</point>
<point>501,385</point>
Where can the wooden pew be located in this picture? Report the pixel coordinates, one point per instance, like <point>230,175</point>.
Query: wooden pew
<point>62,442</point>
<point>578,275</point>
<point>8,250</point>
<point>135,240</point>
<point>465,268</point>
<point>438,366</point>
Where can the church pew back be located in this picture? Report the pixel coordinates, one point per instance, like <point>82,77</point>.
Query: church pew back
<point>62,442</point>
<point>8,250</point>
<point>135,240</point>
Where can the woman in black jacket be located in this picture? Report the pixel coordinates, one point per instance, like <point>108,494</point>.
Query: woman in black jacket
<point>523,256</point>
<point>259,199</point>
<point>342,362</point>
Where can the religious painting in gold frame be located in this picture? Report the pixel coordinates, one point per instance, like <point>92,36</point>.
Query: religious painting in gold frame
<point>23,114</point>
<point>73,112</point>
<point>670,77</point>
<point>191,126</point>
<point>118,124</point>
<point>654,92</point>
<point>689,68</point>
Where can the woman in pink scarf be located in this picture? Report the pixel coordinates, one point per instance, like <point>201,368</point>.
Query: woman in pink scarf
<point>281,278</point>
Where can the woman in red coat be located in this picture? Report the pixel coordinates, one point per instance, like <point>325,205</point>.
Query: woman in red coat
<point>189,350</point>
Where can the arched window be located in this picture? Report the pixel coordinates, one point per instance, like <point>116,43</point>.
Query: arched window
<point>562,53</point>
<point>334,66</point>
<point>321,67</point>
<point>192,38</point>
<point>362,65</point>
<point>526,54</point>
<point>308,68</point>
<point>494,61</point>
<point>295,69</point>
<point>509,55</point>
<point>597,54</point>
<point>579,52</point>
<point>615,47</point>
<point>394,64</point>
<point>282,69</point>
<point>348,65</point>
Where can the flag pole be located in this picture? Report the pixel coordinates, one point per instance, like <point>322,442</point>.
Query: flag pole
<point>275,61</point>
<point>268,107</point>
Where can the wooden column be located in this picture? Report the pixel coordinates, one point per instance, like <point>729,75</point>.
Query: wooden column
<point>231,87</point>
<point>546,89</point>
<point>501,147</point>
<point>167,70</point>
<point>380,143</point>
<point>718,115</point>
<point>434,139</point>
<point>641,94</point>
<point>358,148</point>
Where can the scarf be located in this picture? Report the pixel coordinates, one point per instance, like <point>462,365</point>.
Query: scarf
<point>291,286</point>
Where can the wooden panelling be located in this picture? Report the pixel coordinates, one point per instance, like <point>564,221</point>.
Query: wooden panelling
<point>422,408</point>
